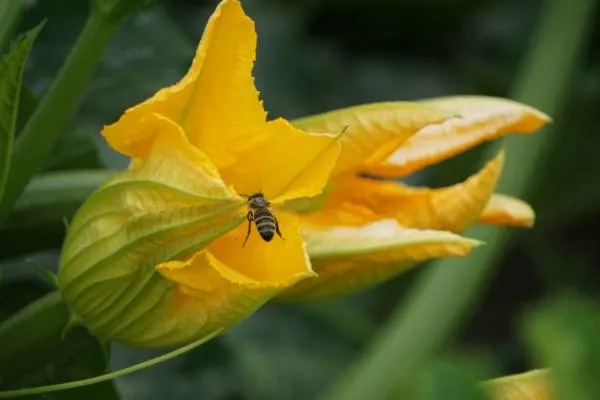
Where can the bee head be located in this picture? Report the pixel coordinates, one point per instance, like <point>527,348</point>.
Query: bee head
<point>257,200</point>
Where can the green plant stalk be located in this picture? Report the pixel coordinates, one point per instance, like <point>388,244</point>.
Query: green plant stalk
<point>448,289</point>
<point>11,394</point>
<point>55,110</point>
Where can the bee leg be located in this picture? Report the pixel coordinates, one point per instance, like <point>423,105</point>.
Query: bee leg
<point>277,229</point>
<point>250,218</point>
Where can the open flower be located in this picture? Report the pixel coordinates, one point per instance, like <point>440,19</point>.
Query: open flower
<point>156,256</point>
<point>362,231</point>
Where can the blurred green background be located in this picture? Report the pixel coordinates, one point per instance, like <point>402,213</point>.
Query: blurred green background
<point>314,56</point>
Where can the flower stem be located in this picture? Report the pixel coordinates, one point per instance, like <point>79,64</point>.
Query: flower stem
<point>446,290</point>
<point>55,110</point>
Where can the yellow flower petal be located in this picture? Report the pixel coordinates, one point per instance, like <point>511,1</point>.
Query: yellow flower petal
<point>374,131</point>
<point>209,295</point>
<point>216,101</point>
<point>173,177</point>
<point>356,200</point>
<point>163,142</point>
<point>282,162</point>
<point>532,385</point>
<point>344,213</point>
<point>280,262</point>
<point>482,119</point>
<point>507,210</point>
<point>167,204</point>
<point>350,259</point>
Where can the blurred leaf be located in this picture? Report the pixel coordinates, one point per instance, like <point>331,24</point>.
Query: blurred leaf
<point>11,74</point>
<point>38,219</point>
<point>52,197</point>
<point>9,13</point>
<point>75,149</point>
<point>276,354</point>
<point>442,298</point>
<point>441,380</point>
<point>40,356</point>
<point>564,336</point>
<point>148,52</point>
<point>16,294</point>
<point>55,110</point>
<point>27,104</point>
<point>99,391</point>
<point>118,10</point>
<point>566,193</point>
<point>532,385</point>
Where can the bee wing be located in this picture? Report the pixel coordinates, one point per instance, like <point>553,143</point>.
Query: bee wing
<point>277,207</point>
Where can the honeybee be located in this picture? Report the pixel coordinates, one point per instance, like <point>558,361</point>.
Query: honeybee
<point>260,213</point>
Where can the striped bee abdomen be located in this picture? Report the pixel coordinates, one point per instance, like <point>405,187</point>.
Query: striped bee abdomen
<point>260,214</point>
<point>265,224</point>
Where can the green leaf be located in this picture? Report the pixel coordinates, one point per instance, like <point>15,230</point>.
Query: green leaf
<point>442,380</point>
<point>99,391</point>
<point>11,75</point>
<point>37,221</point>
<point>27,103</point>
<point>74,149</point>
<point>564,337</point>
<point>15,294</point>
<point>55,110</point>
<point>39,355</point>
<point>107,377</point>
<point>117,10</point>
<point>53,196</point>
<point>9,14</point>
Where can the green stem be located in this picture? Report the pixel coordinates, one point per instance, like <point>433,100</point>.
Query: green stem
<point>55,110</point>
<point>447,290</point>
<point>11,394</point>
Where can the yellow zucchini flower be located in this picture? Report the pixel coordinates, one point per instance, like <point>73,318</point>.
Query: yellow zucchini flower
<point>156,257</point>
<point>362,231</point>
<point>170,249</point>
